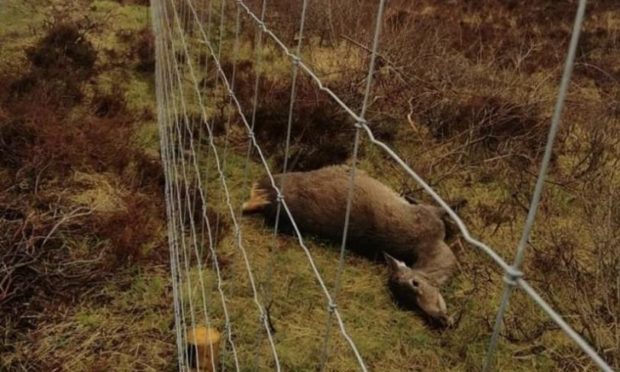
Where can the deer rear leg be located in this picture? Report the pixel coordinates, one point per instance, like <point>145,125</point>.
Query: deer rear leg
<point>259,199</point>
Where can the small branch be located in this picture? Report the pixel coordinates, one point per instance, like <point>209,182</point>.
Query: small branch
<point>73,214</point>
<point>406,78</point>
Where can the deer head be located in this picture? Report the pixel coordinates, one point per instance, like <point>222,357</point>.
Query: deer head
<point>412,288</point>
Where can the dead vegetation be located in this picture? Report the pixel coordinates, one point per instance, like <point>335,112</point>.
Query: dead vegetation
<point>144,50</point>
<point>320,131</point>
<point>473,89</point>
<point>79,200</point>
<point>464,93</point>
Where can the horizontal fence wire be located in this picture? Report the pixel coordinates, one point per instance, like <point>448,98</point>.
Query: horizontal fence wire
<point>181,265</point>
<point>168,154</point>
<point>237,229</point>
<point>159,84</point>
<point>185,211</point>
<point>351,188</point>
<point>511,277</point>
<point>511,271</point>
<point>252,137</point>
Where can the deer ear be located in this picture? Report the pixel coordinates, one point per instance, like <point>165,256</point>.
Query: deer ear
<point>394,264</point>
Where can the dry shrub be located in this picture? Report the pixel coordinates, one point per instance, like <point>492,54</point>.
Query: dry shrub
<point>36,261</point>
<point>107,105</point>
<point>529,36</point>
<point>15,137</point>
<point>60,63</point>
<point>325,20</point>
<point>596,149</point>
<point>64,48</point>
<point>322,133</point>
<point>41,137</point>
<point>134,2</point>
<point>99,144</point>
<point>22,86</point>
<point>63,92</point>
<point>38,132</point>
<point>599,50</point>
<point>144,50</point>
<point>149,173</point>
<point>128,230</point>
<point>490,120</point>
<point>42,241</point>
<point>44,141</point>
<point>35,140</point>
<point>582,279</point>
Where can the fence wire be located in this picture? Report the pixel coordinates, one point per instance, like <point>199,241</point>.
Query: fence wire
<point>172,21</point>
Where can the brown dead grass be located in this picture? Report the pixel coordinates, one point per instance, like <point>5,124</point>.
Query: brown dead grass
<point>81,199</point>
<point>472,88</point>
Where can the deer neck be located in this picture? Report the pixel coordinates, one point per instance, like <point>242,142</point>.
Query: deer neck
<point>437,264</point>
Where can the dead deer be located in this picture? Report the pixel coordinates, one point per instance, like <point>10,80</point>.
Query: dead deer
<point>410,236</point>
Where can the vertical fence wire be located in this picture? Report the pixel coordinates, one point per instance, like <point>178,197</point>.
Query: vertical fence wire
<point>246,167</point>
<point>512,273</point>
<point>205,16</point>
<point>237,230</point>
<point>190,202</point>
<point>205,153</point>
<point>184,212</point>
<point>233,77</point>
<point>515,273</point>
<point>167,191</point>
<point>201,191</point>
<point>287,146</point>
<point>268,286</point>
<point>201,129</point>
<point>222,7</point>
<point>351,190</point>
<point>258,58</point>
<point>176,126</point>
<point>272,180</point>
<point>235,56</point>
<point>178,212</point>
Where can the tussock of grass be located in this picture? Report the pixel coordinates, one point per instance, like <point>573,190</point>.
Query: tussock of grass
<point>98,193</point>
<point>127,329</point>
<point>74,301</point>
<point>463,74</point>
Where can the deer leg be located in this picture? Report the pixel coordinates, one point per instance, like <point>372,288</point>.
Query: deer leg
<point>258,201</point>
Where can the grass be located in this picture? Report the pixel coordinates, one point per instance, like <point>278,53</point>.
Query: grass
<point>98,192</point>
<point>386,336</point>
<point>125,322</point>
<point>131,317</point>
<point>16,32</point>
<point>116,322</point>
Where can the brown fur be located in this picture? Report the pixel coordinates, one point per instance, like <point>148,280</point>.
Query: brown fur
<point>381,221</point>
<point>258,200</point>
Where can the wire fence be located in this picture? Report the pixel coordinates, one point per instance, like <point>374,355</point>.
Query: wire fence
<point>176,23</point>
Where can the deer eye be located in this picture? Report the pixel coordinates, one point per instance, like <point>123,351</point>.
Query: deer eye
<point>415,283</point>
